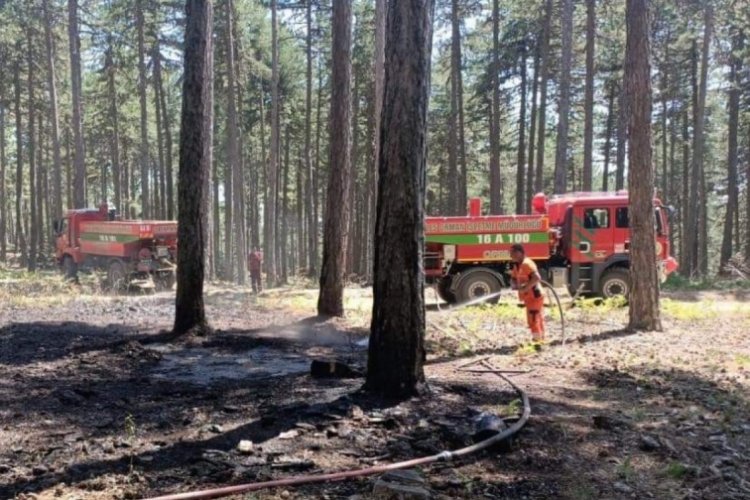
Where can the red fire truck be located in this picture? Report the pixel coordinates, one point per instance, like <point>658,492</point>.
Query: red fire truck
<point>127,250</point>
<point>579,241</point>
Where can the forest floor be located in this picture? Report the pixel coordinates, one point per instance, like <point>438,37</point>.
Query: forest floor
<point>95,404</point>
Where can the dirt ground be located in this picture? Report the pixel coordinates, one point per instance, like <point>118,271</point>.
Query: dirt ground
<point>95,404</point>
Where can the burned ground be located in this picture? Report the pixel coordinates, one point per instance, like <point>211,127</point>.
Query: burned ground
<point>97,403</point>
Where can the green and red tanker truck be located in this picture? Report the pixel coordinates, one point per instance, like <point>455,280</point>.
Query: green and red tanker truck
<point>579,241</point>
<point>128,250</point>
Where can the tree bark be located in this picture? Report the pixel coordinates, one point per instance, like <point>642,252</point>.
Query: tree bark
<point>20,237</point>
<point>54,113</point>
<point>561,149</point>
<point>3,193</point>
<point>521,159</point>
<point>608,135</point>
<point>532,129</point>
<point>735,70</point>
<point>622,138</point>
<point>195,161</point>
<point>115,123</point>
<point>312,223</point>
<point>166,123</point>
<point>542,134</point>
<point>496,187</point>
<point>396,349</point>
<point>695,207</point>
<point>270,255</point>
<point>33,199</point>
<point>335,236</point>
<point>234,161</point>
<point>588,128</point>
<point>457,82</point>
<point>145,192</point>
<point>160,207</point>
<point>79,169</point>
<point>378,63</point>
<point>644,295</point>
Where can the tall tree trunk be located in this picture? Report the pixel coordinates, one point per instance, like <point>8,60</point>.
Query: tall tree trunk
<point>3,192</point>
<point>588,128</point>
<point>79,169</point>
<point>42,203</point>
<point>299,194</point>
<point>160,209</point>
<point>457,82</point>
<point>234,161</point>
<point>352,189</point>
<point>561,151</point>
<point>542,134</point>
<point>20,237</point>
<point>644,295</point>
<point>608,136</point>
<point>496,186</point>
<point>735,70</point>
<point>532,130</point>
<point>169,170</point>
<point>312,223</point>
<point>521,160</point>
<point>696,204</point>
<point>33,202</point>
<point>622,138</point>
<point>54,113</point>
<point>195,161</point>
<point>396,350</point>
<point>684,213</point>
<point>378,63</point>
<point>336,221</point>
<point>274,156</point>
<point>453,187</point>
<point>115,123</point>
<point>144,160</point>
<point>284,250</point>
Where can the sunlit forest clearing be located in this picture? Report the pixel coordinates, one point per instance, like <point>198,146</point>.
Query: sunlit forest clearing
<point>374,249</point>
<point>100,406</point>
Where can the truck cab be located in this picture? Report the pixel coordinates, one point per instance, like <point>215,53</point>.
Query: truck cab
<point>593,241</point>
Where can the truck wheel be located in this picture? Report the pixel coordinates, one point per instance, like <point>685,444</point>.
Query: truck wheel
<point>444,291</point>
<point>116,275</point>
<point>165,281</point>
<point>478,283</point>
<point>70,268</point>
<point>614,282</point>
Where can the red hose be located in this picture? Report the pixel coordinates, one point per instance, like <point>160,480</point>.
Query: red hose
<point>370,471</point>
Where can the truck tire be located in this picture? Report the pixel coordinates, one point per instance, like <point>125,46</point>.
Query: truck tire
<point>70,268</point>
<point>478,283</point>
<point>165,281</point>
<point>116,275</point>
<point>614,282</point>
<point>444,290</point>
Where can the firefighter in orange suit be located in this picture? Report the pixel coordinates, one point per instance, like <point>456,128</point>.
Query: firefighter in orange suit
<point>525,278</point>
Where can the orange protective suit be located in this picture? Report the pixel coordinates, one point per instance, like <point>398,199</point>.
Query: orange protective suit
<point>532,298</point>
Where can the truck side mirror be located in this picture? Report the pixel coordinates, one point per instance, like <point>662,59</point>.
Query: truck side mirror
<point>57,226</point>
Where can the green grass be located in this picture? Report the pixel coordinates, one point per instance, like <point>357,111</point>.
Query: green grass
<point>687,311</point>
<point>677,282</point>
<point>626,470</point>
<point>676,470</point>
